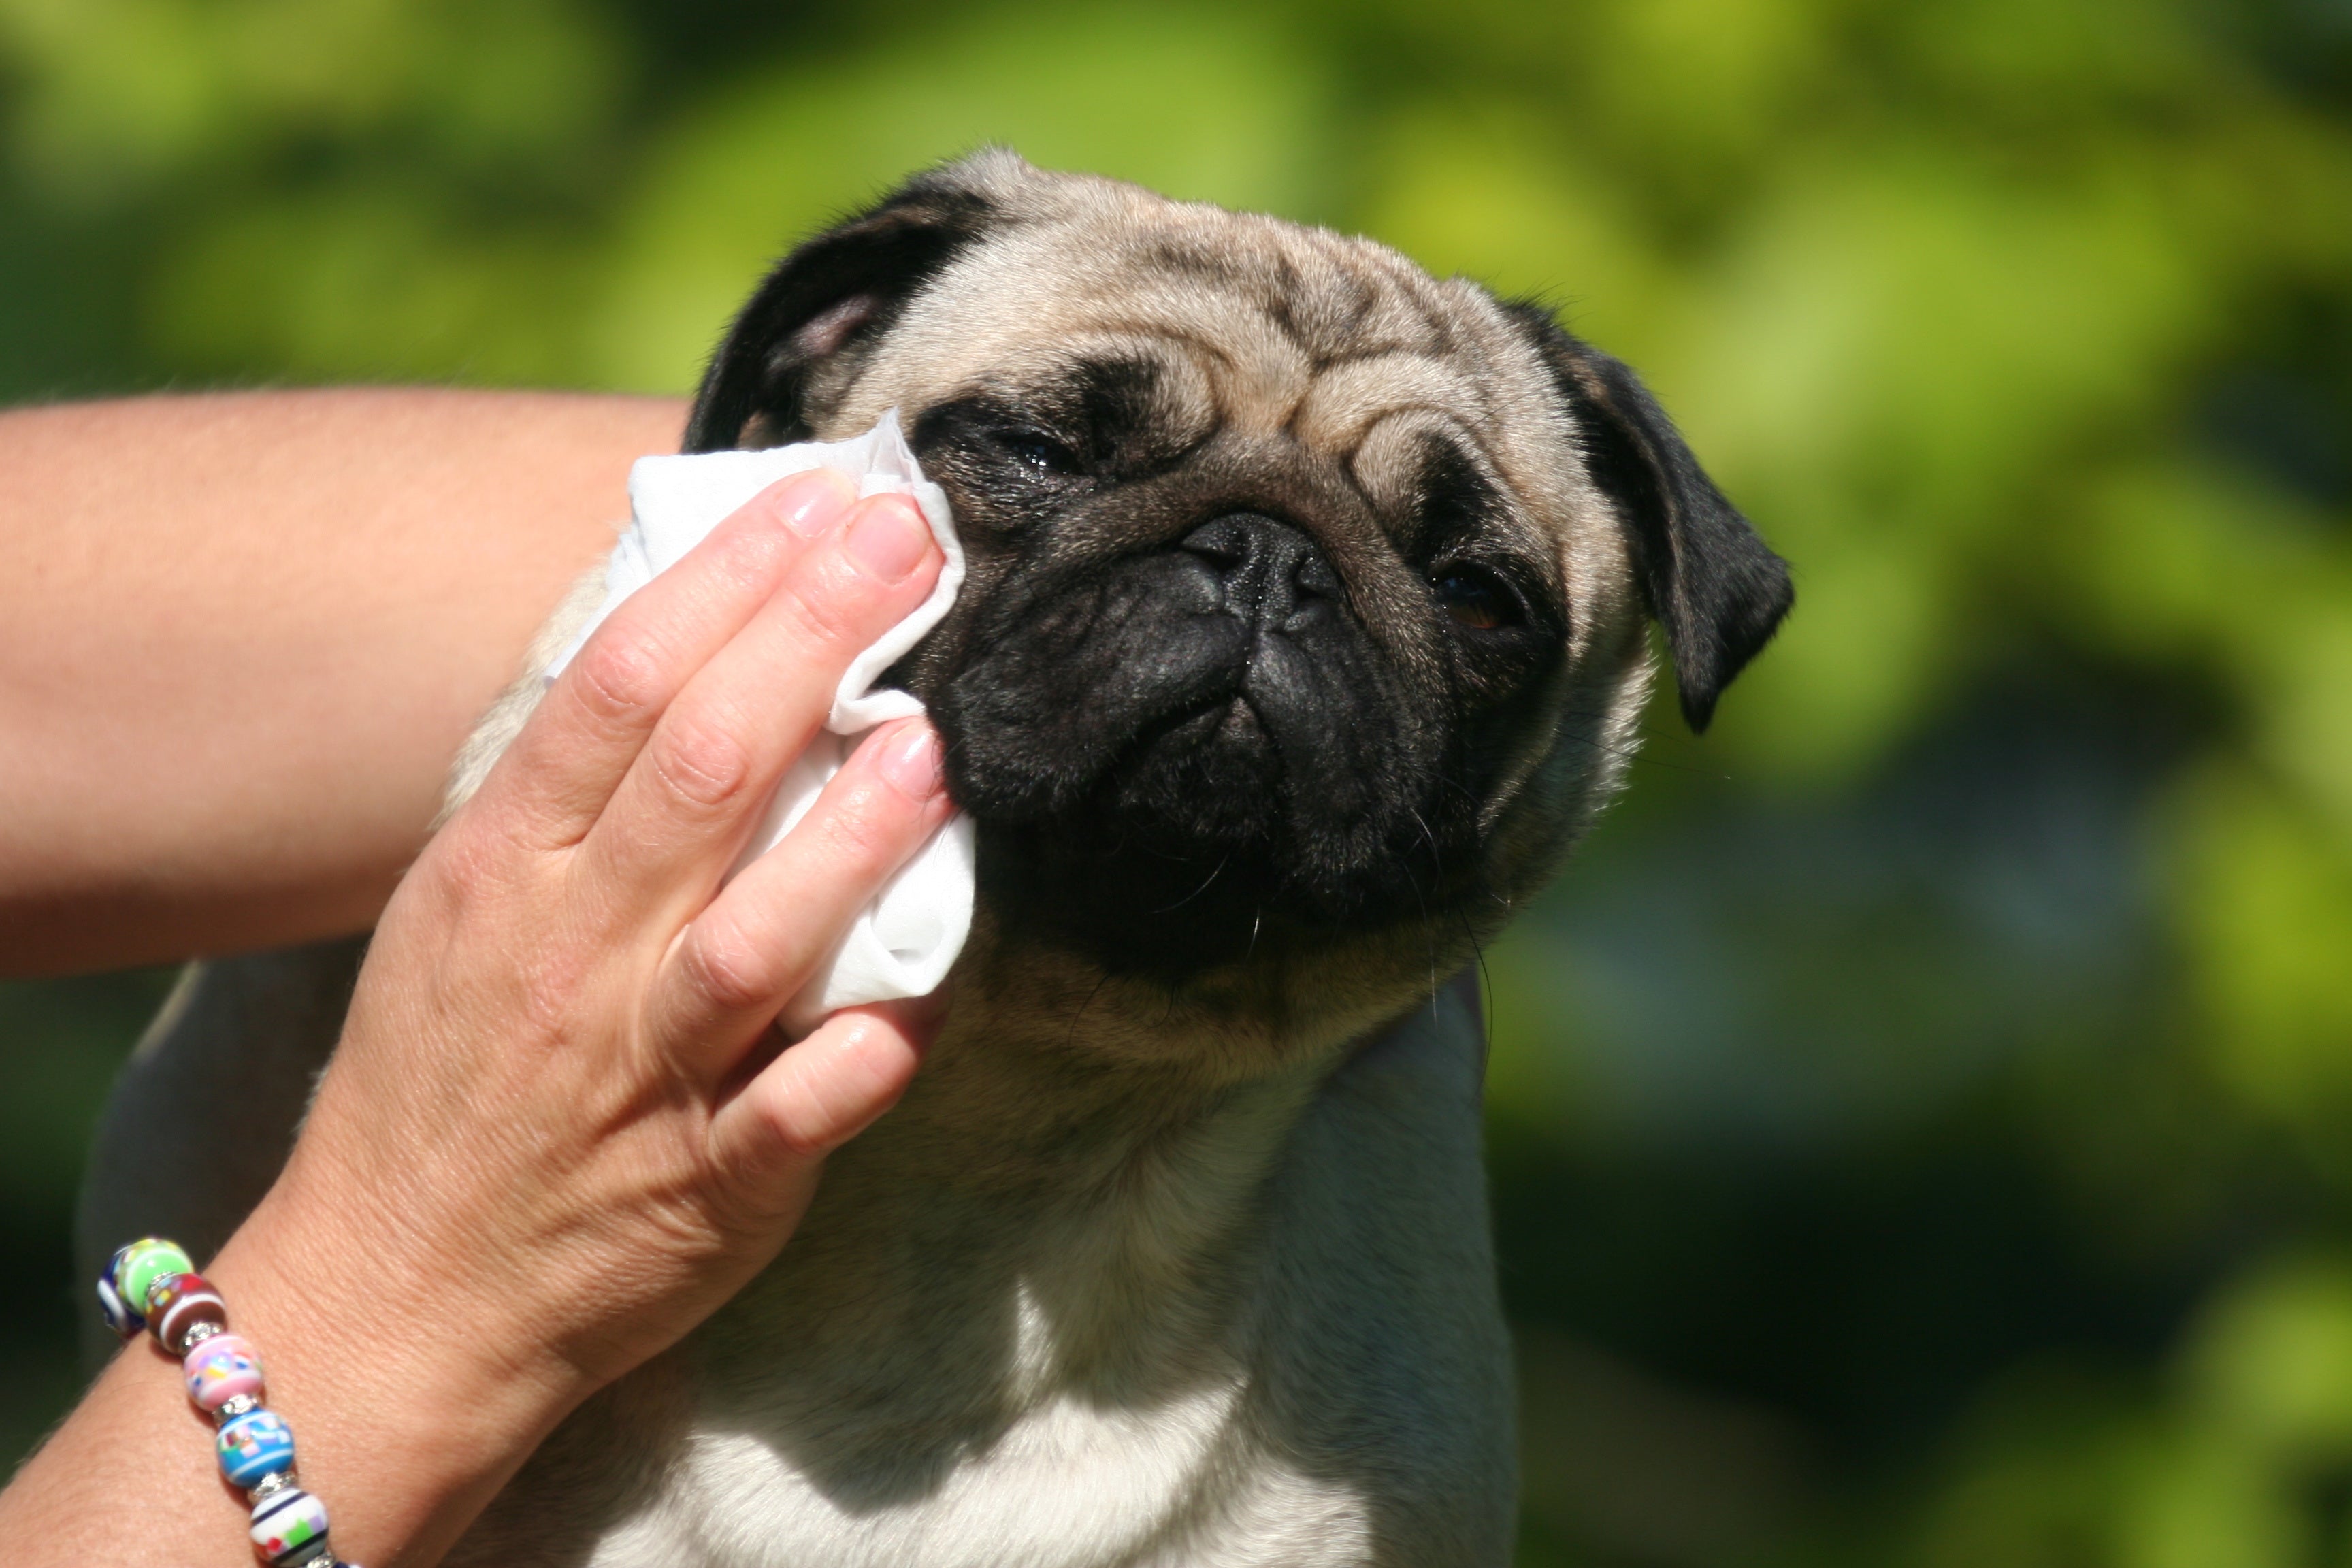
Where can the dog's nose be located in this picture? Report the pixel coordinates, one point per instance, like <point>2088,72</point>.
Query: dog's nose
<point>1269,571</point>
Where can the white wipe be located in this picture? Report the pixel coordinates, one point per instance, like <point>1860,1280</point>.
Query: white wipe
<point>904,942</point>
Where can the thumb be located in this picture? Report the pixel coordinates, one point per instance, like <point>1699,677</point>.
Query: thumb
<point>817,1095</point>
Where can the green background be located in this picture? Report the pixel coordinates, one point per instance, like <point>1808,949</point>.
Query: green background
<point>1922,1117</point>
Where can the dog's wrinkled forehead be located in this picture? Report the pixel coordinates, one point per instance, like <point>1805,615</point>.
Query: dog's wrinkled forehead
<point>1238,323</point>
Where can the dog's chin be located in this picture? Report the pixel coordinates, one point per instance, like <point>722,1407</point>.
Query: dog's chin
<point>1194,850</point>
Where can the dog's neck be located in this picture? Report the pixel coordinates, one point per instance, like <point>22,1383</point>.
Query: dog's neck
<point>1066,1194</point>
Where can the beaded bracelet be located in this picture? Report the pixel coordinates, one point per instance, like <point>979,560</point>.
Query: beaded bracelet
<point>151,1285</point>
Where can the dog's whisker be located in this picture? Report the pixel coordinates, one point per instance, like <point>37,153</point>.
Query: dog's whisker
<point>1071,1037</point>
<point>1196,892</point>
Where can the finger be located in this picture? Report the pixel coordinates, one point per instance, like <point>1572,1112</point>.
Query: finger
<point>562,770</point>
<point>818,1095</point>
<point>733,969</point>
<point>678,820</point>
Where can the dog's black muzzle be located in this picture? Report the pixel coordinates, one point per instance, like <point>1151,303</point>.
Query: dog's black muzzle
<point>1165,748</point>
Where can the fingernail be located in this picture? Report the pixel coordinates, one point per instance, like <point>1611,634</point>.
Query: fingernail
<point>911,761</point>
<point>813,503</point>
<point>890,538</point>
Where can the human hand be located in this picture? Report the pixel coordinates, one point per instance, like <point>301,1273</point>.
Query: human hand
<point>560,1131</point>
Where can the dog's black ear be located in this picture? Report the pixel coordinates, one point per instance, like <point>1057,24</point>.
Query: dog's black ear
<point>832,293</point>
<point>1715,587</point>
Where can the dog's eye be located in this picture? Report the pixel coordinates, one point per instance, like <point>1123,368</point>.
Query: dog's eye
<point>1475,597</point>
<point>1042,453</point>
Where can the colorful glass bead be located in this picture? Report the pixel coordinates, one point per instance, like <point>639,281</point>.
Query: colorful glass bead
<point>178,1302</point>
<point>290,1526</point>
<point>254,1445</point>
<point>140,1264</point>
<point>118,1315</point>
<point>220,1369</point>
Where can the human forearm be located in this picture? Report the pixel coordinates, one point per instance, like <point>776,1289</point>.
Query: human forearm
<point>241,635</point>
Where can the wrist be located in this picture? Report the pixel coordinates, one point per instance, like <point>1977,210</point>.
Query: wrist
<point>410,1408</point>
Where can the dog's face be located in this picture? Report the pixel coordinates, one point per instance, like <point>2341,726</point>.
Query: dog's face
<point>1308,593</point>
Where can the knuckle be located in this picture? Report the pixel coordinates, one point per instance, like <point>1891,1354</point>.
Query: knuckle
<point>801,1129</point>
<point>857,837</point>
<point>472,854</point>
<point>829,609</point>
<point>699,762</point>
<point>620,675</point>
<point>727,971</point>
<point>479,861</point>
<point>746,559</point>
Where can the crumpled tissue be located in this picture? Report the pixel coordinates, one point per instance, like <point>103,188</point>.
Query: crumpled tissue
<point>904,942</point>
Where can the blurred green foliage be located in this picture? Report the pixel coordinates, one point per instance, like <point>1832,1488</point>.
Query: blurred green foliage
<point>1923,1118</point>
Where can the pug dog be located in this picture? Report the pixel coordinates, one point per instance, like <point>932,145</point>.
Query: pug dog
<point>1305,627</point>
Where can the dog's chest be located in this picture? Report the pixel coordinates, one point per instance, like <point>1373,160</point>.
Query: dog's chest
<point>1070,1484</point>
<point>970,1444</point>
<point>928,1382</point>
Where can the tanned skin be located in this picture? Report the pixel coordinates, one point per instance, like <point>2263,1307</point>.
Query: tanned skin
<point>241,637</point>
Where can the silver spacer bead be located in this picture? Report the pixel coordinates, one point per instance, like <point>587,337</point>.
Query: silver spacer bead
<point>321,1555</point>
<point>197,1334</point>
<point>268,1486</point>
<point>236,1404</point>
